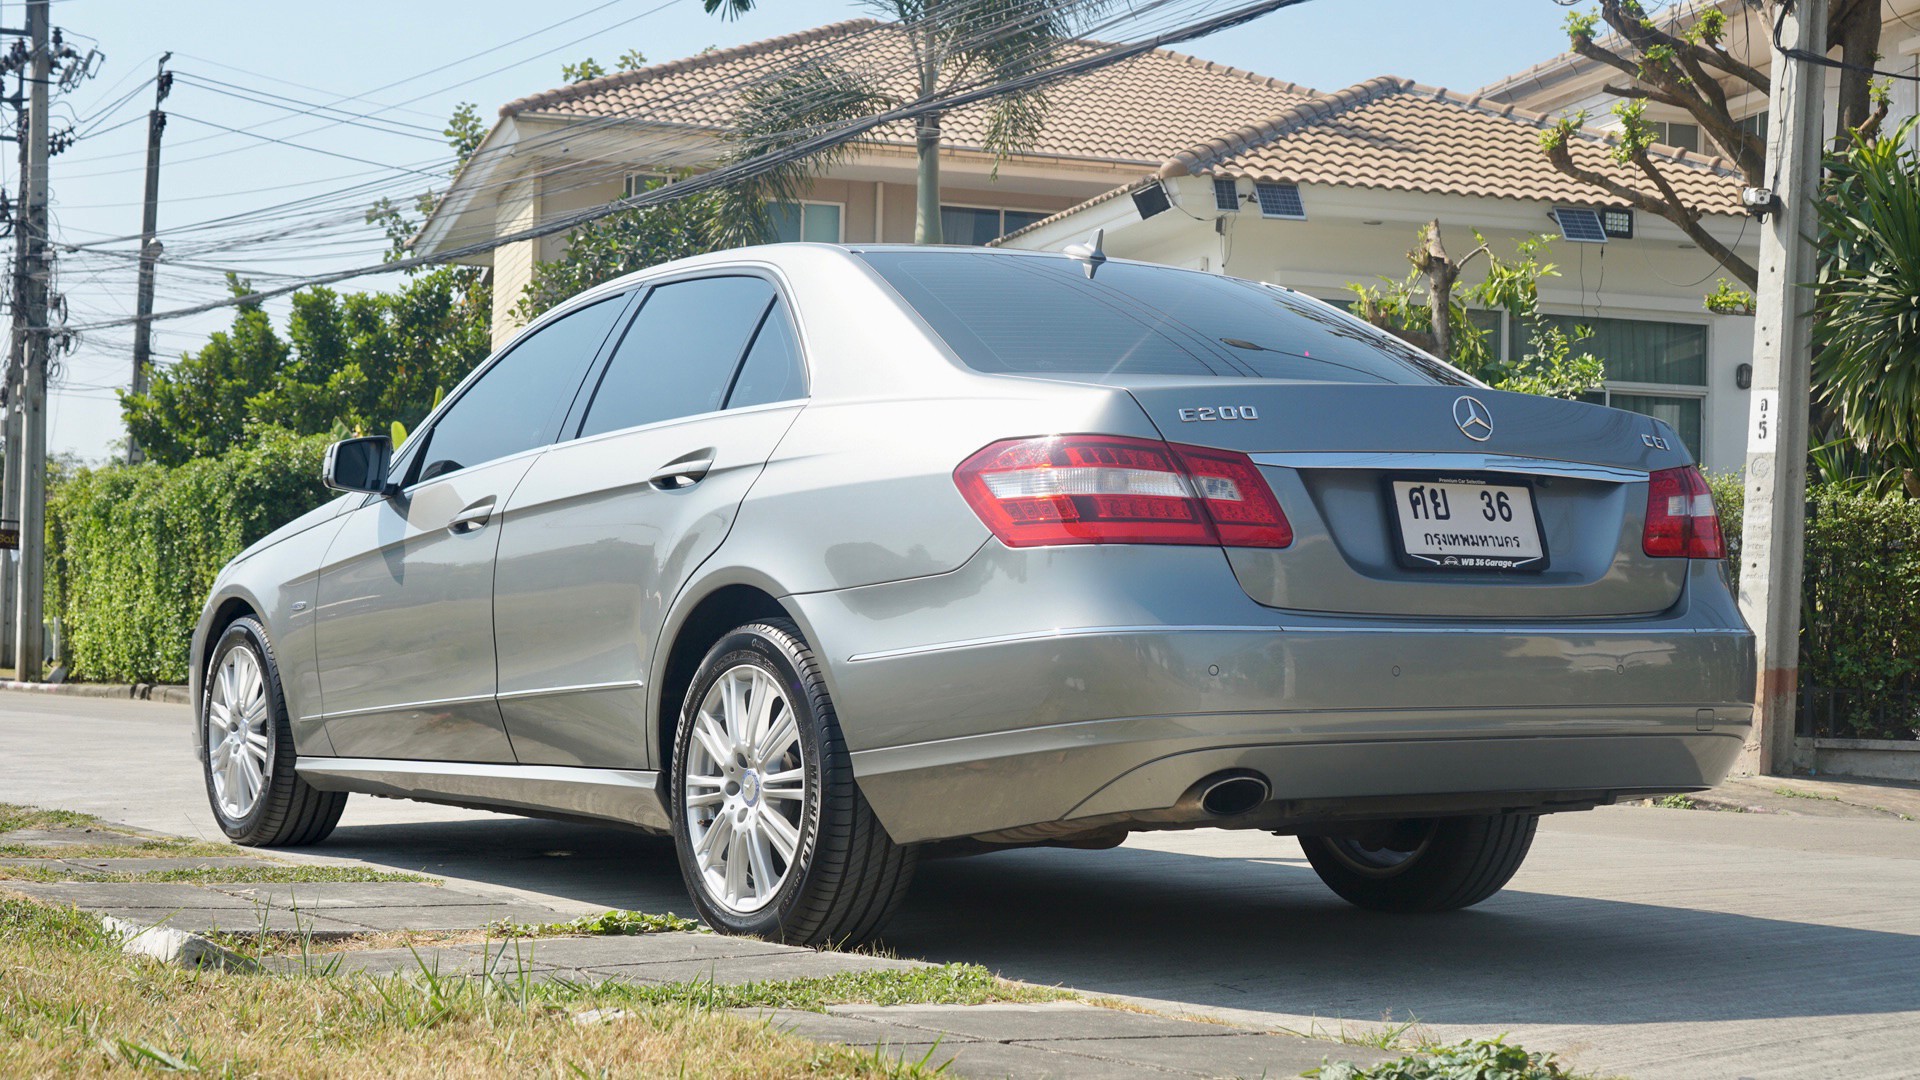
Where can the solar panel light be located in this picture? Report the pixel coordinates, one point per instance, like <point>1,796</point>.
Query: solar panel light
<point>1580,224</point>
<point>1759,201</point>
<point>1618,223</point>
<point>1226,195</point>
<point>1280,201</point>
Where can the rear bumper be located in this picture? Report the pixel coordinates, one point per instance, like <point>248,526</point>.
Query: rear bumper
<point>1128,691</point>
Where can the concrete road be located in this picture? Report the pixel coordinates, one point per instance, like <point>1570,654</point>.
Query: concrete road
<point>1650,943</point>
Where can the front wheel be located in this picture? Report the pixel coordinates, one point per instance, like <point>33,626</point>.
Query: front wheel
<point>1419,865</point>
<point>257,797</point>
<point>774,839</point>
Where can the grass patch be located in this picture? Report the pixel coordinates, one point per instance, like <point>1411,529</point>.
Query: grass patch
<point>217,875</point>
<point>606,924</point>
<point>1475,1059</point>
<point>1791,793</point>
<point>944,984</point>
<point>1676,802</point>
<point>32,817</point>
<point>71,1003</point>
<point>14,817</point>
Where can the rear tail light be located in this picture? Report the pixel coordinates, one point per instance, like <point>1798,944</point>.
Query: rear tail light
<point>1681,519</point>
<point>1107,489</point>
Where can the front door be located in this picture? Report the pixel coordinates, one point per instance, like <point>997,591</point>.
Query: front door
<point>606,528</point>
<point>404,633</point>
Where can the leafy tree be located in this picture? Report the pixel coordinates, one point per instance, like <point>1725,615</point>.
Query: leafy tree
<point>354,362</point>
<point>621,243</point>
<point>1686,65</point>
<point>952,44</point>
<point>583,71</point>
<point>1427,309</point>
<point>1866,335</point>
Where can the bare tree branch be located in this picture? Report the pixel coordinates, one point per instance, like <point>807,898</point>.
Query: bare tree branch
<point>1668,205</point>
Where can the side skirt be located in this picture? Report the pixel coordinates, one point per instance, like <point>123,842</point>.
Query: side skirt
<point>623,796</point>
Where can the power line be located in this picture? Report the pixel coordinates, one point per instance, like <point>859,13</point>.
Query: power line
<point>758,166</point>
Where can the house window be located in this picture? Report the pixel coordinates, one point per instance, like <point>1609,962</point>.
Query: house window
<point>642,181</point>
<point>1755,125</point>
<point>815,223</point>
<point>1676,134</point>
<point>1658,369</point>
<point>977,225</point>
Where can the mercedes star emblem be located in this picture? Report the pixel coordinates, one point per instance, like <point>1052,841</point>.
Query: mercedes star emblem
<point>1474,418</point>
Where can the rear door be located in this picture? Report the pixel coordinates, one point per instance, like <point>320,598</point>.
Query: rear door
<point>404,631</point>
<point>607,527</point>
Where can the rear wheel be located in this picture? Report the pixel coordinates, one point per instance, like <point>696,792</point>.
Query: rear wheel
<point>248,759</point>
<point>774,839</point>
<point>1427,864</point>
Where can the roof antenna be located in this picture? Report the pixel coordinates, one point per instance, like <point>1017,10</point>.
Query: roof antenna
<point>1089,253</point>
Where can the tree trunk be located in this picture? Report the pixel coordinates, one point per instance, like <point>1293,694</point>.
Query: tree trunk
<point>1430,258</point>
<point>1855,30</point>
<point>926,217</point>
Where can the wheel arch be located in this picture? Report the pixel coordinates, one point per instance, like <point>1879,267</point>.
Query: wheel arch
<point>706,611</point>
<point>232,604</point>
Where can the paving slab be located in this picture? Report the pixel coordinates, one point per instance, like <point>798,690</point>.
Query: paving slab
<point>624,950</point>
<point>406,961</point>
<point>1235,1054</point>
<point>249,920</point>
<point>998,1061</point>
<point>59,838</point>
<point>134,865</point>
<point>113,895</point>
<point>1010,1022</point>
<point>740,970</point>
<point>850,1030</point>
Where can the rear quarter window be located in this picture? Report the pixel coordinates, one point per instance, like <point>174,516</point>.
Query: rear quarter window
<point>1017,314</point>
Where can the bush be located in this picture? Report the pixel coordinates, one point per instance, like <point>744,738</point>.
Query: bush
<point>133,550</point>
<point>1859,609</point>
<point>1477,1059</point>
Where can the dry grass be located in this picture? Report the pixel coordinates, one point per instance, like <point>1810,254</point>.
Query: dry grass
<point>77,827</point>
<point>71,1004</point>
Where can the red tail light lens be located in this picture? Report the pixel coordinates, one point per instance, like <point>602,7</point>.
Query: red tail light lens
<point>1107,489</point>
<point>1682,522</point>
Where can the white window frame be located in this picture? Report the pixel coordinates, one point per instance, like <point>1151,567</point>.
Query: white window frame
<point>841,238</point>
<point>1001,210</point>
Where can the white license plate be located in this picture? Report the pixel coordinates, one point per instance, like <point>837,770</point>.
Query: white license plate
<point>1460,526</point>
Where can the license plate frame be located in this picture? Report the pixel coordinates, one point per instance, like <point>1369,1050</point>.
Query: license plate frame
<point>1391,487</point>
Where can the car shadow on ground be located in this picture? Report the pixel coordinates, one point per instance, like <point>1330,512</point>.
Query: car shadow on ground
<point>1260,934</point>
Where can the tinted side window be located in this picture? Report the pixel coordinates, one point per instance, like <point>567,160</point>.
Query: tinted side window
<point>772,371</point>
<point>518,403</point>
<point>679,353</point>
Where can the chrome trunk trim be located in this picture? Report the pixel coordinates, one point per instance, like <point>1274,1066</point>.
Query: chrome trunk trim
<point>1450,462</point>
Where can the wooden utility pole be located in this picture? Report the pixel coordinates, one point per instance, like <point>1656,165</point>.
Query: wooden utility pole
<point>149,247</point>
<point>1774,542</point>
<point>31,318</point>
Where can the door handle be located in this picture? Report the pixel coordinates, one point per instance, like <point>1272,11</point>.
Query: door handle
<point>473,518</point>
<point>682,474</point>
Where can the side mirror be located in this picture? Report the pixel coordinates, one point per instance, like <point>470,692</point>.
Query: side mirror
<point>358,464</point>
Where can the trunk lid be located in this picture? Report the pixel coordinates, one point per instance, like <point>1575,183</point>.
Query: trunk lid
<point>1334,452</point>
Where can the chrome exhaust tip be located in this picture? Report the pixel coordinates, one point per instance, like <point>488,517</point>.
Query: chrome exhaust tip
<point>1230,794</point>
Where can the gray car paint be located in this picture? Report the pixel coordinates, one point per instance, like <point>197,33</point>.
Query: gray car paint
<point>984,689</point>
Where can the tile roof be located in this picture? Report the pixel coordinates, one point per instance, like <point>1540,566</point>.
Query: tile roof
<point>1140,110</point>
<point>1397,135</point>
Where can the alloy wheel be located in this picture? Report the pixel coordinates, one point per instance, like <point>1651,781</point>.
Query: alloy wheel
<point>746,789</point>
<point>238,743</point>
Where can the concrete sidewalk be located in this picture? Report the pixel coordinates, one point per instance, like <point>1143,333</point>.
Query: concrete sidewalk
<point>1053,1039</point>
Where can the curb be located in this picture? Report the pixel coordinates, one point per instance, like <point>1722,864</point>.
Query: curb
<point>170,946</point>
<point>163,692</point>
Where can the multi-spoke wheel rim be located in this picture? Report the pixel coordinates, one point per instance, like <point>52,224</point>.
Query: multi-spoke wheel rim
<point>746,789</point>
<point>238,745</point>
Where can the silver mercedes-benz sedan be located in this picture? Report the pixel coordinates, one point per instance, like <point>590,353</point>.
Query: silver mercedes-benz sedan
<point>824,558</point>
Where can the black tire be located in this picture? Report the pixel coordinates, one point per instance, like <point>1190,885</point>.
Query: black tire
<point>287,812</point>
<point>1436,864</point>
<point>847,875</point>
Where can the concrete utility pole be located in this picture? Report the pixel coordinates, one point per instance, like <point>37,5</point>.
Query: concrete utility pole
<point>16,358</point>
<point>29,645</point>
<point>149,247</point>
<point>1774,541</point>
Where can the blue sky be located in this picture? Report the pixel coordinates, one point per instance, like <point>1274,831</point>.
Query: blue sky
<point>380,58</point>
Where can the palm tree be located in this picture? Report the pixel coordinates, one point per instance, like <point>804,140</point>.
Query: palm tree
<point>953,44</point>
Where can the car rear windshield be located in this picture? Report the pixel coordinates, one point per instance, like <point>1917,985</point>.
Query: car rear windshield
<point>1028,315</point>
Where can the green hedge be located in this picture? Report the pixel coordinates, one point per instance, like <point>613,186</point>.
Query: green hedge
<point>1859,611</point>
<point>133,550</point>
